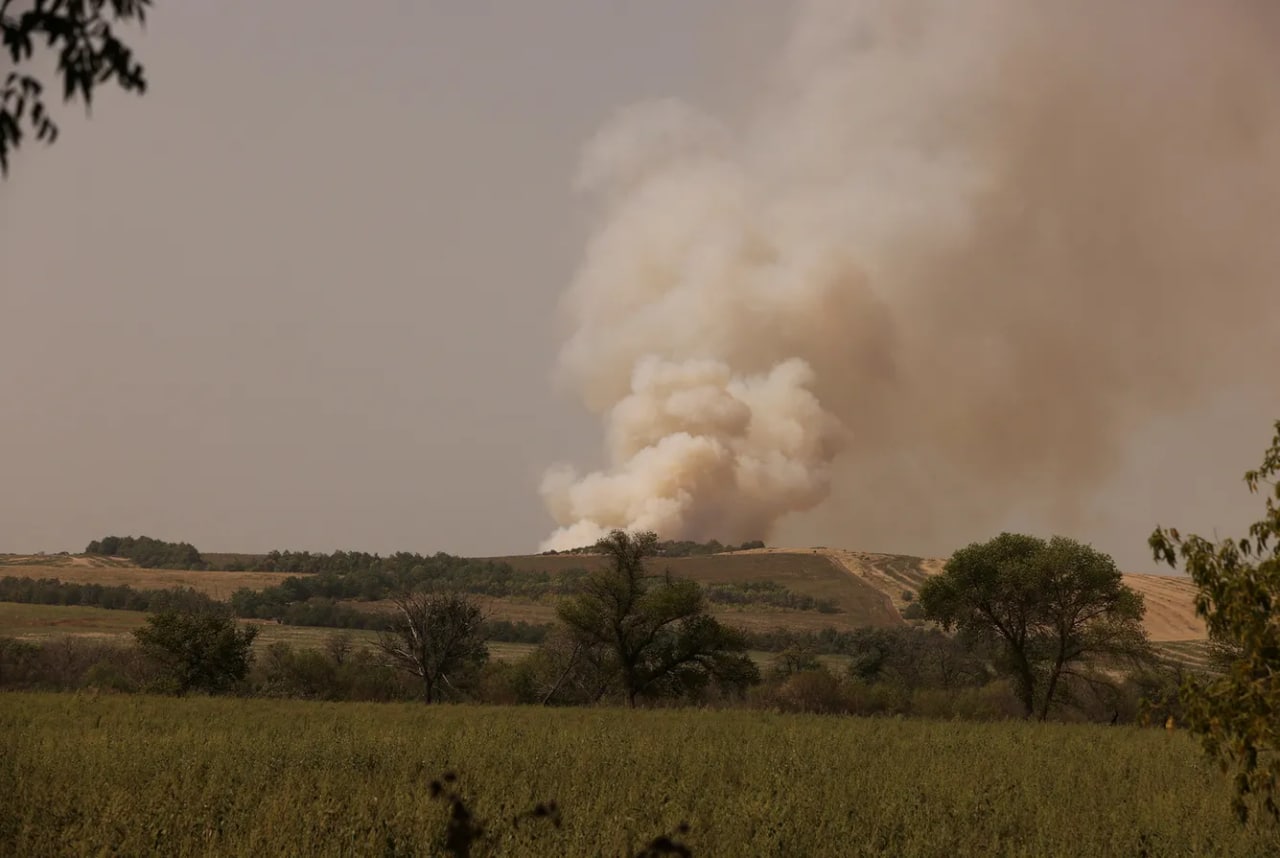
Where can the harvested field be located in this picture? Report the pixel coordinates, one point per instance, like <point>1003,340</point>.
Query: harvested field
<point>1170,601</point>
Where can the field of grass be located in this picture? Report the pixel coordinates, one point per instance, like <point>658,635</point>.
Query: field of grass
<point>219,585</point>
<point>33,622</point>
<point>811,573</point>
<point>43,622</point>
<point>138,775</point>
<point>757,618</point>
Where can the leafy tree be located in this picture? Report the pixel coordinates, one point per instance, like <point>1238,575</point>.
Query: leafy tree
<point>1237,714</point>
<point>437,637</point>
<point>198,650</point>
<point>914,658</point>
<point>89,55</point>
<point>654,632</point>
<point>149,553</point>
<point>1055,607</point>
<point>795,659</point>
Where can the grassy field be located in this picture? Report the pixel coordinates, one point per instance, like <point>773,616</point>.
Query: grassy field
<point>808,573</point>
<point>44,622</point>
<point>136,775</point>
<point>219,585</point>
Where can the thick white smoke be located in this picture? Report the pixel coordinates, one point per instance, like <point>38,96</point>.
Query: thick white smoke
<point>959,251</point>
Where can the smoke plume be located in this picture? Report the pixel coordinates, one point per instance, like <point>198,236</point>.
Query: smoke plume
<point>957,253</point>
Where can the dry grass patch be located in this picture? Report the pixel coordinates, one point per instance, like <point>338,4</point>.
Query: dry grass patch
<point>219,585</point>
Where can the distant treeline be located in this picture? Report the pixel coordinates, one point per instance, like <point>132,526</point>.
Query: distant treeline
<point>767,593</point>
<point>319,611</point>
<point>149,553</point>
<point>152,553</point>
<point>121,597</point>
<point>370,578</point>
<point>326,612</point>
<point>678,548</point>
<point>358,575</point>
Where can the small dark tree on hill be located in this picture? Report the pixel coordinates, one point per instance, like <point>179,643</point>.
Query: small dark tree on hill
<point>89,55</point>
<point>201,650</point>
<point>656,631</point>
<point>437,637</point>
<point>1237,714</point>
<point>1055,607</point>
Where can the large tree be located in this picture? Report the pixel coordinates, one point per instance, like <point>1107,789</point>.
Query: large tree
<point>1237,713</point>
<point>437,637</point>
<point>89,54</point>
<point>202,650</point>
<point>1056,608</point>
<point>654,631</point>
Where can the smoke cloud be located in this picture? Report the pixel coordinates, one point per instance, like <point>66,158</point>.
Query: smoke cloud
<point>955,256</point>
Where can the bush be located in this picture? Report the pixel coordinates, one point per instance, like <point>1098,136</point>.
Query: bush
<point>197,650</point>
<point>817,691</point>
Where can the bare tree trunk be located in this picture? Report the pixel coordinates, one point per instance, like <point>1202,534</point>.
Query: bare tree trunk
<point>1025,681</point>
<point>573,658</point>
<point>1050,689</point>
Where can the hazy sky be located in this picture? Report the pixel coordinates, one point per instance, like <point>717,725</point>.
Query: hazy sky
<point>303,293</point>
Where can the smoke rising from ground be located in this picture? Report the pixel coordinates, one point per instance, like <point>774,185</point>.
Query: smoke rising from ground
<point>956,256</point>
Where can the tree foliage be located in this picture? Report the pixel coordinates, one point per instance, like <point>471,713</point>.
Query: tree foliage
<point>652,634</point>
<point>1237,713</point>
<point>147,552</point>
<point>202,650</point>
<point>1057,608</point>
<point>89,54</point>
<point>437,637</point>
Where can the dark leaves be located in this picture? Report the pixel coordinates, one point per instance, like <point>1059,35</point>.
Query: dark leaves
<point>1237,714</point>
<point>89,55</point>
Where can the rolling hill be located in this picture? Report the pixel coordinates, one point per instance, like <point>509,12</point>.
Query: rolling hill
<point>867,589</point>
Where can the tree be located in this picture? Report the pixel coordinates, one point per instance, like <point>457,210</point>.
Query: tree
<point>655,631</point>
<point>1237,714</point>
<point>1056,608</point>
<point>912,658</point>
<point>436,637</point>
<point>89,55</point>
<point>198,650</point>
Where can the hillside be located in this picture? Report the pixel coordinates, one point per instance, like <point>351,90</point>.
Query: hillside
<point>867,589</point>
<point>874,588</point>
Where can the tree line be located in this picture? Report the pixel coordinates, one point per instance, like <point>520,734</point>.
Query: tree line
<point>149,553</point>
<point>675,548</point>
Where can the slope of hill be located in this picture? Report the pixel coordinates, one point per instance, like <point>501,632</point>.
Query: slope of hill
<point>874,588</point>
<point>869,589</point>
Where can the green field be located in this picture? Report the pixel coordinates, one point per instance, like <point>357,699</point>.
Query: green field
<point>140,775</point>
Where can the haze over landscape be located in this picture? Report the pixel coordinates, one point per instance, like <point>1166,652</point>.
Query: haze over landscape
<point>884,276</point>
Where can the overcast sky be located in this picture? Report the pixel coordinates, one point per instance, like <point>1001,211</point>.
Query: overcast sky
<point>302,294</point>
